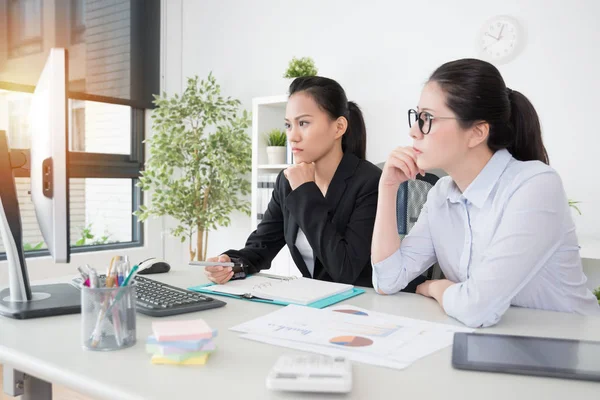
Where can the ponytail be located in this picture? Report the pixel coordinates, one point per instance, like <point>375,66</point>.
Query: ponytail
<point>527,144</point>
<point>354,140</point>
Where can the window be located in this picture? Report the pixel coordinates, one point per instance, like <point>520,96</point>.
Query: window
<point>24,27</point>
<point>105,141</point>
<point>77,21</point>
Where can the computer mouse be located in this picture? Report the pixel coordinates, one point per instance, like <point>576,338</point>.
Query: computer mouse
<point>153,266</point>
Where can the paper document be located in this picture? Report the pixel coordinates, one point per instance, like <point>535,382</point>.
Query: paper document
<point>361,335</point>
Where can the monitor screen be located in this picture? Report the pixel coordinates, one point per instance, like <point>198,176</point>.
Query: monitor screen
<point>49,153</point>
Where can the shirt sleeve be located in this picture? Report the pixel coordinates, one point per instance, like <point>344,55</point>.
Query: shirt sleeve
<point>415,255</point>
<point>529,232</point>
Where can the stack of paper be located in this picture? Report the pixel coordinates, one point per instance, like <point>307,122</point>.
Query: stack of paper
<point>352,332</point>
<point>181,342</point>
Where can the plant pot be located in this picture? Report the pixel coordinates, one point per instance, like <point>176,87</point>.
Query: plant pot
<point>276,154</point>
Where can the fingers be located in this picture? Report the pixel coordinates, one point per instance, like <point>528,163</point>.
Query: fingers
<point>404,164</point>
<point>406,157</point>
<point>221,281</point>
<point>220,276</point>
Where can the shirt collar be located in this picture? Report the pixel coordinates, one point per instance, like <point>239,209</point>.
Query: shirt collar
<point>479,190</point>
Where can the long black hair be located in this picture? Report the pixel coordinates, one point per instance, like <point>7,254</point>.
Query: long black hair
<point>476,91</point>
<point>331,98</point>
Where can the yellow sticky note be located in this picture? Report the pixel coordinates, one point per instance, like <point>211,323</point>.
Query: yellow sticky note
<point>200,360</point>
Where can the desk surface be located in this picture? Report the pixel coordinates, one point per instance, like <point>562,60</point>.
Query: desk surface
<point>50,349</point>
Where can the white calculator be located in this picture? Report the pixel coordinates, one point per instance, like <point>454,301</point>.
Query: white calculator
<point>311,373</point>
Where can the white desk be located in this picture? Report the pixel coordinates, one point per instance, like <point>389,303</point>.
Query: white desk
<point>50,349</point>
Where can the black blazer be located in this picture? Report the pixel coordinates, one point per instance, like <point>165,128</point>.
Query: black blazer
<point>339,226</point>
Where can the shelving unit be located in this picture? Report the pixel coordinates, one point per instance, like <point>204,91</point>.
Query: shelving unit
<point>268,113</point>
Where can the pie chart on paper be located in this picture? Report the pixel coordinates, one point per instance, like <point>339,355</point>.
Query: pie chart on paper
<point>353,312</point>
<point>351,341</point>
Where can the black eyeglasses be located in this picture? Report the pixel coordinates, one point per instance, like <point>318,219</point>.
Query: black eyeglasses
<point>424,119</point>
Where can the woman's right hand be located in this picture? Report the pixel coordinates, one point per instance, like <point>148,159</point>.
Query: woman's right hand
<point>219,274</point>
<point>400,166</point>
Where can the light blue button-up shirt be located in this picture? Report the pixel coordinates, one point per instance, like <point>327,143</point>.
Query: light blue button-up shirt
<point>508,239</point>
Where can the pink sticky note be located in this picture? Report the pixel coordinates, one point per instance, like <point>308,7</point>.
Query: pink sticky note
<point>169,331</point>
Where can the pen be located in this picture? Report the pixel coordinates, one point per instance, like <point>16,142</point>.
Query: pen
<point>125,282</point>
<point>93,278</point>
<point>120,274</point>
<point>214,264</point>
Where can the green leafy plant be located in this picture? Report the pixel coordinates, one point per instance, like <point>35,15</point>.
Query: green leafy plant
<point>32,247</point>
<point>597,294</point>
<point>304,66</point>
<point>87,237</point>
<point>573,203</point>
<point>276,137</point>
<point>200,158</point>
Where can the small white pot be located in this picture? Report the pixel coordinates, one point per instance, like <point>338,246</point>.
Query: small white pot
<point>276,154</point>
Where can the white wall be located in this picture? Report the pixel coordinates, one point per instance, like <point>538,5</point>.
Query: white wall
<point>383,51</point>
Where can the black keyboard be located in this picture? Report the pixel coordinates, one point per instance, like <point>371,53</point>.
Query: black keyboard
<point>158,299</point>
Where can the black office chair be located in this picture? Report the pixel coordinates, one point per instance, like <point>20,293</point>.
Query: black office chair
<point>412,195</point>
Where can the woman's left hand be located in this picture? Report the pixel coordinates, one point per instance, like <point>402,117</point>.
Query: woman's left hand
<point>434,288</point>
<point>423,288</point>
<point>299,174</point>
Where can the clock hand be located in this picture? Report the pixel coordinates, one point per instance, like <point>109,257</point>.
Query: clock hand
<point>500,34</point>
<point>492,36</point>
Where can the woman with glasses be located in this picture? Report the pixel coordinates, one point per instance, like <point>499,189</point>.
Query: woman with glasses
<point>499,225</point>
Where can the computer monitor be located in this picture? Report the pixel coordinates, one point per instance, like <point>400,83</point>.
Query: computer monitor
<point>48,161</point>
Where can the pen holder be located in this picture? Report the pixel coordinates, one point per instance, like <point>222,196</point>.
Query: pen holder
<point>108,318</point>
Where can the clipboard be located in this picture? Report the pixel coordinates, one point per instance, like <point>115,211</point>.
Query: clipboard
<point>326,302</point>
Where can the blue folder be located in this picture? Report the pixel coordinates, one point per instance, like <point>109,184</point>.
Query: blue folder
<point>326,302</point>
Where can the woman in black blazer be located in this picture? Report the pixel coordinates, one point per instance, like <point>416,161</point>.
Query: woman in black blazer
<point>323,207</point>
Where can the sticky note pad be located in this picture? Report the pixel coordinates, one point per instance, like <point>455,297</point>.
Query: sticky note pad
<point>166,331</point>
<point>167,349</point>
<point>179,358</point>
<point>191,345</point>
<point>201,360</point>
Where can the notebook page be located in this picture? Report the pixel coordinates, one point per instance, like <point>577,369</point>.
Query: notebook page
<point>240,287</point>
<point>300,290</point>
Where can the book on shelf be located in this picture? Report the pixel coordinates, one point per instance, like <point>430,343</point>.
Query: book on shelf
<point>265,186</point>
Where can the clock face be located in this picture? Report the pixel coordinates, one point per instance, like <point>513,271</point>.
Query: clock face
<point>500,39</point>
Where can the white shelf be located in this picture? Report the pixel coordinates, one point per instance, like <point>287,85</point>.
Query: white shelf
<point>273,166</point>
<point>271,101</point>
<point>267,113</point>
<point>590,248</point>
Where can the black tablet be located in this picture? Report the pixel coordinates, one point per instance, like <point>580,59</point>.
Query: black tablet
<point>527,355</point>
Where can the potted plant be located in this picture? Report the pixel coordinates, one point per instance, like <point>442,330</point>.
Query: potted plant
<point>597,294</point>
<point>304,66</point>
<point>276,146</point>
<point>573,204</point>
<point>200,157</point>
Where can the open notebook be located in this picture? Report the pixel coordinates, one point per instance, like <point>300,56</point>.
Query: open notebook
<point>296,290</point>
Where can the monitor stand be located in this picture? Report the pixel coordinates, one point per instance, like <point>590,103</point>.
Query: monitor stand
<point>20,300</point>
<point>46,301</point>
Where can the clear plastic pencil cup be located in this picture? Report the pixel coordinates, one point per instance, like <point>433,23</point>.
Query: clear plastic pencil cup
<point>108,317</point>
